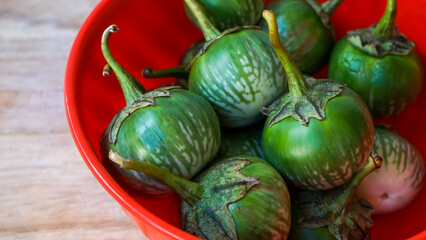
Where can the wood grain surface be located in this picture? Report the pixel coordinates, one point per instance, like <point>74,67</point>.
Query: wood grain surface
<point>46,191</point>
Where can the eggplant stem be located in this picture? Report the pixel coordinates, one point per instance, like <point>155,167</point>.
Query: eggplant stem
<point>330,6</point>
<point>385,27</point>
<point>210,32</point>
<point>132,89</point>
<point>191,192</point>
<point>374,162</point>
<point>298,86</point>
<point>181,71</point>
<point>106,71</point>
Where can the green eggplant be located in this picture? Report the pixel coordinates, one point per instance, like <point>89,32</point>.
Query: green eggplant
<point>225,14</point>
<point>305,30</point>
<point>320,133</point>
<point>336,213</point>
<point>400,180</point>
<point>170,127</point>
<point>239,197</point>
<point>238,72</point>
<point>246,140</point>
<point>379,64</point>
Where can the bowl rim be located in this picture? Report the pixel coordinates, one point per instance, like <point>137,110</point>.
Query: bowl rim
<point>129,205</point>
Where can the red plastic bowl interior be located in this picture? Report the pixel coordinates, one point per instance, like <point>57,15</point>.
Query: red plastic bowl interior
<point>156,34</point>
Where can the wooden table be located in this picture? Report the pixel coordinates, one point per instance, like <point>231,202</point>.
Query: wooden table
<point>46,191</point>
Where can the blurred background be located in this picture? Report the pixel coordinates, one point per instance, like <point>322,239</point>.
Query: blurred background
<point>46,191</point>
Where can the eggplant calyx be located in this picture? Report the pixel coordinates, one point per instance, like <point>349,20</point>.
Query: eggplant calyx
<point>366,41</point>
<point>146,100</point>
<point>312,104</point>
<point>382,39</point>
<point>355,220</point>
<point>307,97</point>
<point>224,184</point>
<point>338,208</point>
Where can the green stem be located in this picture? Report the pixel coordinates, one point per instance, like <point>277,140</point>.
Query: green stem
<point>296,82</point>
<point>181,71</point>
<point>132,89</point>
<point>330,6</point>
<point>385,27</point>
<point>210,32</point>
<point>374,161</point>
<point>190,192</point>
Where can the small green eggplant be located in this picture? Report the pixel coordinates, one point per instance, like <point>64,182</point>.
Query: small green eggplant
<point>380,65</point>
<point>320,133</point>
<point>239,197</point>
<point>170,127</point>
<point>305,30</point>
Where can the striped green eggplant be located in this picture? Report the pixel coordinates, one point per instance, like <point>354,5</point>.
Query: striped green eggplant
<point>239,197</point>
<point>238,72</point>
<point>320,133</point>
<point>225,14</point>
<point>170,127</point>
<point>380,65</point>
<point>305,30</point>
<point>401,177</point>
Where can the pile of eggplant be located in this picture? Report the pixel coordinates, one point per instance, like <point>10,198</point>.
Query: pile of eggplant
<point>255,146</point>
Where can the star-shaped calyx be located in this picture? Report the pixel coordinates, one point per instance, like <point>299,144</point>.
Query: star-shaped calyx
<point>309,104</point>
<point>307,97</point>
<point>223,184</point>
<point>366,41</point>
<point>204,210</point>
<point>146,100</point>
<point>382,39</point>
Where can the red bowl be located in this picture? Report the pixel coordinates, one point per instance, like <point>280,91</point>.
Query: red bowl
<point>156,34</point>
